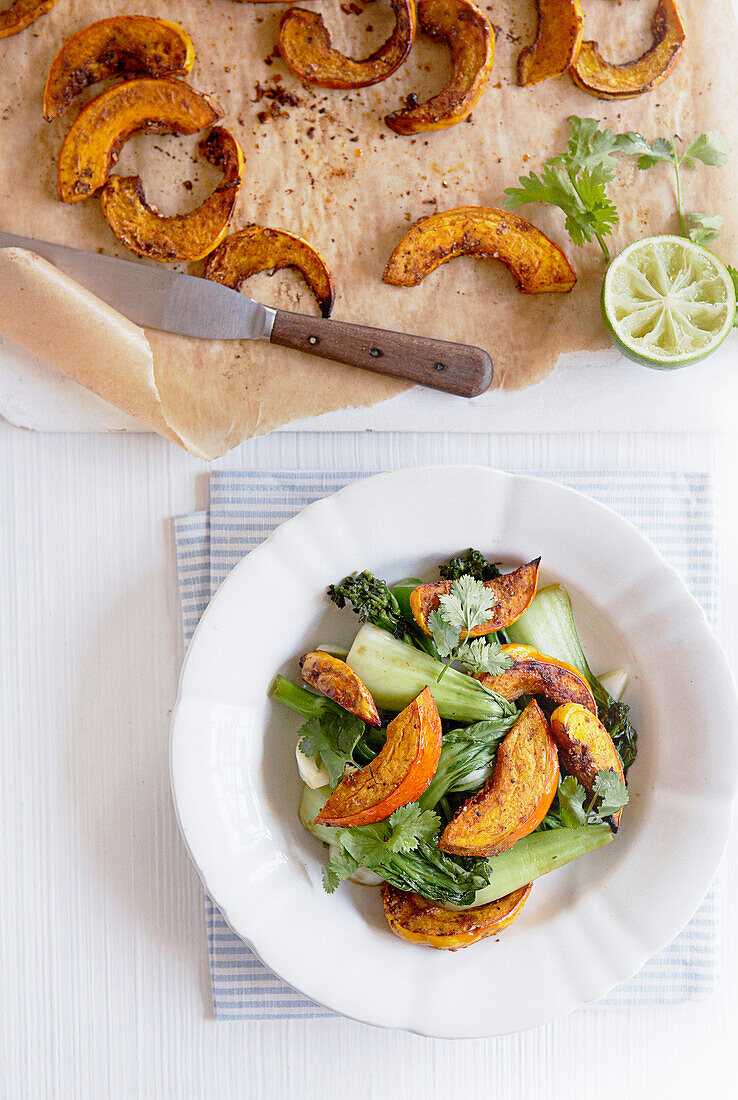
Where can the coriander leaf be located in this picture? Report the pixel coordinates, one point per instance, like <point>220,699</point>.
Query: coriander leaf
<point>332,736</point>
<point>552,186</point>
<point>704,227</point>
<point>600,214</point>
<point>612,792</point>
<point>480,655</point>
<point>633,144</point>
<point>410,825</point>
<point>711,148</point>
<point>445,634</point>
<point>468,603</point>
<point>589,147</point>
<point>571,803</point>
<point>340,866</point>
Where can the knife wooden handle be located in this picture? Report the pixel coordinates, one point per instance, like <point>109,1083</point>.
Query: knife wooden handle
<point>454,368</point>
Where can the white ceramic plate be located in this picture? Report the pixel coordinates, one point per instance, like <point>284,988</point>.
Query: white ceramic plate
<point>586,927</point>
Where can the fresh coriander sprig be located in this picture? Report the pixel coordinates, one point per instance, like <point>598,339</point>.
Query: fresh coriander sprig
<point>711,149</point>
<point>467,605</point>
<point>609,795</point>
<point>576,182</point>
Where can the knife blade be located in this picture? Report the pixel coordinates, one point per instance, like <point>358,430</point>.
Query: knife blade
<point>155,297</point>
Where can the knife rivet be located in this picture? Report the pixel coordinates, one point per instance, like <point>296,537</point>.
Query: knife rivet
<point>312,340</point>
<point>375,352</point>
<point>440,366</point>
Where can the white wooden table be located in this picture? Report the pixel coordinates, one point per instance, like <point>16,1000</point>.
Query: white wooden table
<point>103,979</point>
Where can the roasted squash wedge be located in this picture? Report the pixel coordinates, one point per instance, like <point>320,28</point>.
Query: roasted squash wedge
<point>516,799</point>
<point>398,774</point>
<point>533,673</point>
<point>601,78</point>
<point>122,45</point>
<point>537,264</point>
<point>145,105</point>
<point>557,42</point>
<point>305,45</point>
<point>414,919</point>
<point>21,14</point>
<point>469,33</point>
<point>184,237</point>
<point>512,593</point>
<point>585,747</point>
<point>337,681</point>
<point>256,248</point>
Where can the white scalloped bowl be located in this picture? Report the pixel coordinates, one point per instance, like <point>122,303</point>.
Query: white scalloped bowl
<point>584,928</point>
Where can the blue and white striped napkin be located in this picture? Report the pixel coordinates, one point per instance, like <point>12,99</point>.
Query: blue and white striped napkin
<point>675,510</point>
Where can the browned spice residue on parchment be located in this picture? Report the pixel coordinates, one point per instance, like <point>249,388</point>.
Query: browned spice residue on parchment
<point>323,164</point>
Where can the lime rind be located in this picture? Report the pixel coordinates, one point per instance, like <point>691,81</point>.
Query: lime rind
<point>667,302</point>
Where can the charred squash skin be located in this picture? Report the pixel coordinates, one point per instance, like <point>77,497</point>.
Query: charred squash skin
<point>119,46</point>
<point>305,46</point>
<point>512,594</point>
<point>516,799</point>
<point>100,130</point>
<point>183,237</point>
<point>598,77</point>
<point>338,681</point>
<point>416,920</point>
<point>256,249</point>
<point>533,673</point>
<point>585,747</point>
<point>21,14</point>
<point>469,33</point>
<point>398,774</point>
<point>537,264</point>
<point>558,40</point>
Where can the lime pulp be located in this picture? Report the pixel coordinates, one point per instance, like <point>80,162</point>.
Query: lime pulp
<point>667,302</point>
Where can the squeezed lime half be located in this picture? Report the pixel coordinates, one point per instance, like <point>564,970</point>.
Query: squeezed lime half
<point>667,302</point>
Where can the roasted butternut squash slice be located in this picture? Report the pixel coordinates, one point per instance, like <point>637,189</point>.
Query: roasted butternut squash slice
<point>533,673</point>
<point>398,774</point>
<point>305,45</point>
<point>585,747</point>
<point>337,681</point>
<point>537,264</point>
<point>512,593</point>
<point>557,42</point>
<point>469,33</point>
<point>184,237</point>
<point>21,14</point>
<point>516,799</point>
<point>100,130</point>
<point>256,248</point>
<point>414,919</point>
<point>601,78</point>
<point>122,45</point>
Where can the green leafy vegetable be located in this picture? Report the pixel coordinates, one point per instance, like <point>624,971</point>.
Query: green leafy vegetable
<point>571,796</point>
<point>576,182</point>
<point>471,563</point>
<point>468,605</point>
<point>610,794</point>
<point>372,601</point>
<point>711,149</point>
<point>573,807</point>
<point>466,761</point>
<point>332,737</point>
<point>402,850</point>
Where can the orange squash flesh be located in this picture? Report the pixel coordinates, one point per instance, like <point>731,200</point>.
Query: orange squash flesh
<point>145,105</point>
<point>469,33</point>
<point>121,45</point>
<point>337,681</point>
<point>537,264</point>
<point>585,746</point>
<point>533,673</point>
<point>21,14</point>
<point>593,74</point>
<point>516,799</point>
<point>256,248</point>
<point>305,45</point>
<point>398,775</point>
<point>423,922</point>
<point>184,237</point>
<point>557,42</point>
<point>512,594</point>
